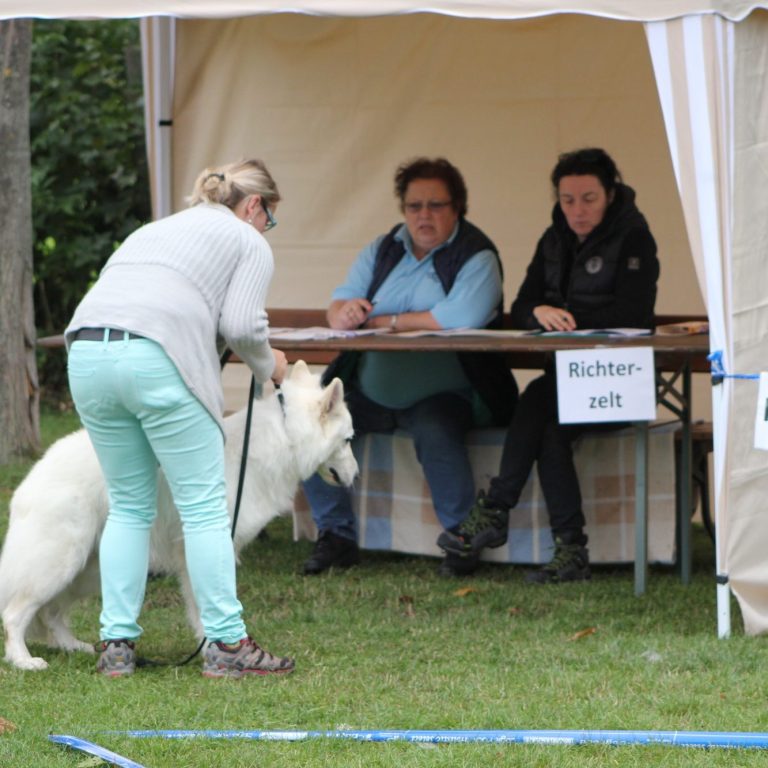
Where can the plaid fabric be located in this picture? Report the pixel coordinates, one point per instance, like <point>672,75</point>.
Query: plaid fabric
<point>394,507</point>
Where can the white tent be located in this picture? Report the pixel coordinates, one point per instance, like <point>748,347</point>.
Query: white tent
<point>333,93</point>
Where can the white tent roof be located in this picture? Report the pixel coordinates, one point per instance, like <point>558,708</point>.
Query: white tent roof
<point>648,10</point>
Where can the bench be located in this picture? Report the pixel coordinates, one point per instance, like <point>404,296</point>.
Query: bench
<point>394,508</point>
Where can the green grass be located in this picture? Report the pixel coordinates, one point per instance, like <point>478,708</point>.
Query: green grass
<point>391,645</point>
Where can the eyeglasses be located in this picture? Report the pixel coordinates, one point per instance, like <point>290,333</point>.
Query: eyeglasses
<point>271,220</point>
<point>433,206</point>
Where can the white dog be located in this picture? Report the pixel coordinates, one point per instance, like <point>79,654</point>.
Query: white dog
<point>50,555</point>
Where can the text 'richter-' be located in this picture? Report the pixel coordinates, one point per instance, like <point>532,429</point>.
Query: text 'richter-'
<point>606,384</point>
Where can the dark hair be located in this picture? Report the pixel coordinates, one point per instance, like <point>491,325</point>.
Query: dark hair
<point>439,168</point>
<point>587,162</point>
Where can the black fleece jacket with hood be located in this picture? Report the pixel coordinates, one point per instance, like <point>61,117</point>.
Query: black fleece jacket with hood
<point>608,281</point>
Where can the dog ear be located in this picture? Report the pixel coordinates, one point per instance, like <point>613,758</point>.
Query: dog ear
<point>333,396</point>
<point>300,370</point>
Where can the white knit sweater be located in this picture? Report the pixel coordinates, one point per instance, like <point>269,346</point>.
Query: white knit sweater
<point>186,282</point>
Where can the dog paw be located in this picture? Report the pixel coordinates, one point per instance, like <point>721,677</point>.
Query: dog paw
<point>33,663</point>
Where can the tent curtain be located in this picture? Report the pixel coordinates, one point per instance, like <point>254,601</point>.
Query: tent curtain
<point>693,63</point>
<point>714,126</point>
<point>747,471</point>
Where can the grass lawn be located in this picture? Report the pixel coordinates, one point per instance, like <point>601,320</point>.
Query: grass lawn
<point>390,645</point>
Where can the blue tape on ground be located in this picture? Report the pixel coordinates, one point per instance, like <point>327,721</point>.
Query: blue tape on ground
<point>728,740</point>
<point>94,749</point>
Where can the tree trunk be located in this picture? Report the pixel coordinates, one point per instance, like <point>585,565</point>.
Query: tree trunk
<point>19,392</point>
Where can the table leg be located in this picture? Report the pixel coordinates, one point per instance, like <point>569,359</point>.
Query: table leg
<point>686,461</point>
<point>641,506</point>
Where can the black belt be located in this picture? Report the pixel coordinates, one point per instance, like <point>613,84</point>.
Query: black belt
<point>97,334</point>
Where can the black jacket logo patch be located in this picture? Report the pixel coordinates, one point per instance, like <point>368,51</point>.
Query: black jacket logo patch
<point>594,264</point>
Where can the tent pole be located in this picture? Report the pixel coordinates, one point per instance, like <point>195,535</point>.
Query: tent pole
<point>158,44</point>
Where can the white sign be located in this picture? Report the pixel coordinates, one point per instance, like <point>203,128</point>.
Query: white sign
<point>761,417</point>
<point>606,384</point>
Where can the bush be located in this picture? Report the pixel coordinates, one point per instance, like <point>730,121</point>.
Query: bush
<point>90,184</point>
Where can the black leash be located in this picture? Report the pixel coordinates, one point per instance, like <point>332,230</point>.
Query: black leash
<point>244,456</point>
<point>141,662</point>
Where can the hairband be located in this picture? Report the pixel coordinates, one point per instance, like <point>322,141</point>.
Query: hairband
<point>219,176</point>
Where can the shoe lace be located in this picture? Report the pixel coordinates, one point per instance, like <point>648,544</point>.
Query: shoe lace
<point>479,518</point>
<point>565,555</point>
<point>261,656</point>
<point>116,643</point>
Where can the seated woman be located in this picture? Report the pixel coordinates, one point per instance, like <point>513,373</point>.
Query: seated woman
<point>594,267</point>
<point>435,269</point>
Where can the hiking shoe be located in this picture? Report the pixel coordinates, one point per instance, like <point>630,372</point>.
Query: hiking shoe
<point>457,566</point>
<point>331,550</point>
<point>569,563</point>
<point>485,526</point>
<point>117,658</point>
<point>243,658</point>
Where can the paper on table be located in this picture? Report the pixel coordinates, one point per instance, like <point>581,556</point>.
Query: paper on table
<point>319,332</point>
<point>601,332</point>
<point>464,332</point>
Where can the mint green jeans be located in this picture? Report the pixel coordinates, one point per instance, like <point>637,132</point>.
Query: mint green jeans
<point>139,413</point>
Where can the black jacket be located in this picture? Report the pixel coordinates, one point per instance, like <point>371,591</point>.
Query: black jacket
<point>608,281</point>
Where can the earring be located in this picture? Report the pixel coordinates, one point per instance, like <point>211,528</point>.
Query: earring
<point>250,221</point>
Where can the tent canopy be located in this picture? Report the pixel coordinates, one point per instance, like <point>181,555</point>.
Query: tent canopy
<point>629,10</point>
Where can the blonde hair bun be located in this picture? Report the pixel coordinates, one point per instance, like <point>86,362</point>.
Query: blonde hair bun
<point>229,184</point>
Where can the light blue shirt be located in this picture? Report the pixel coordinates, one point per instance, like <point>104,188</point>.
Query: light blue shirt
<point>400,379</point>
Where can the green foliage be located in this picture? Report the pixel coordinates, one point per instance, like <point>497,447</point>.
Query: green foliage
<point>89,170</point>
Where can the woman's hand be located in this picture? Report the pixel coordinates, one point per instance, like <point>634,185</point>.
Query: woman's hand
<point>554,318</point>
<point>281,366</point>
<point>347,314</point>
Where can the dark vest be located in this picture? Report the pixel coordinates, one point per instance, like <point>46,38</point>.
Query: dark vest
<point>592,278</point>
<point>488,373</point>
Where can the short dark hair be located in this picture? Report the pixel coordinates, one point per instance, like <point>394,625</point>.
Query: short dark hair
<point>437,168</point>
<point>591,161</point>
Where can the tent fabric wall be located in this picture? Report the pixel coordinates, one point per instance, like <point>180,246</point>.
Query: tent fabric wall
<point>334,105</point>
<point>746,481</point>
<point>717,136</point>
<point>693,60</point>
